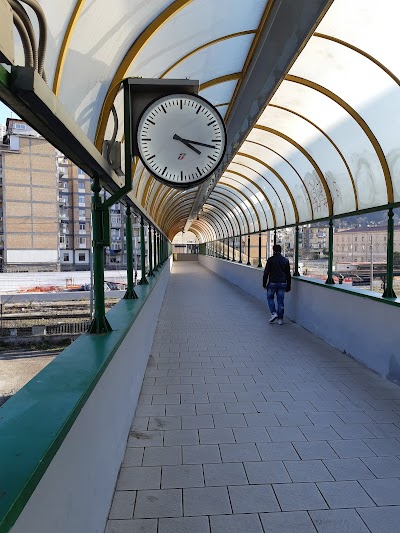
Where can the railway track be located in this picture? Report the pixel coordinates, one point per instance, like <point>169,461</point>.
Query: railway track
<point>28,354</point>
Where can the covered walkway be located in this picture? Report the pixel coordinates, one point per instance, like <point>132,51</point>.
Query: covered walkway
<point>243,426</point>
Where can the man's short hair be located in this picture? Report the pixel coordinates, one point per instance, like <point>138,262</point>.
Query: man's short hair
<point>277,248</point>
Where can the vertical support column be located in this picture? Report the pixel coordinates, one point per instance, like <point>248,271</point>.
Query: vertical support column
<point>158,251</point>
<point>274,236</point>
<point>259,251</point>
<point>240,248</point>
<point>389,292</point>
<point>296,253</point>
<point>143,281</point>
<point>130,293</point>
<point>223,248</point>
<point>155,258</point>
<point>233,249</point>
<point>329,280</point>
<point>227,248</point>
<point>248,249</point>
<point>99,323</point>
<point>151,273</point>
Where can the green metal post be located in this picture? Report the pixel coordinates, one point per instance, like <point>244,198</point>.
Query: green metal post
<point>240,248</point>
<point>99,323</point>
<point>296,253</point>
<point>155,263</point>
<point>329,280</point>
<point>248,249</point>
<point>389,292</point>
<point>227,248</point>
<point>151,273</point>
<point>233,249</point>
<point>259,251</point>
<point>143,280</point>
<point>223,248</point>
<point>130,291</point>
<point>158,250</point>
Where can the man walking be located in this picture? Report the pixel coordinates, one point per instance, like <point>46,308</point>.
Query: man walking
<point>277,280</point>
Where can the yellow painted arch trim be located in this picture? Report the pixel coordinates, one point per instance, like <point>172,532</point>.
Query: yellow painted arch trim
<point>220,202</point>
<point>156,193</point>
<point>206,45</point>
<point>243,176</point>
<point>214,215</point>
<point>220,79</point>
<point>233,200</point>
<point>333,144</point>
<point>239,191</point>
<point>130,56</point>
<point>173,204</point>
<point>360,121</point>
<point>62,55</point>
<point>240,195</point>
<point>359,51</point>
<point>205,229</point>
<point>311,161</point>
<point>167,191</point>
<point>279,177</point>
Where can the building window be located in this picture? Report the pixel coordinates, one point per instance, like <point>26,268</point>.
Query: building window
<point>20,126</point>
<point>355,238</point>
<point>62,239</point>
<point>80,172</point>
<point>82,226</point>
<point>82,257</point>
<point>82,213</point>
<point>65,257</point>
<point>82,241</point>
<point>356,247</point>
<point>81,199</point>
<point>81,185</point>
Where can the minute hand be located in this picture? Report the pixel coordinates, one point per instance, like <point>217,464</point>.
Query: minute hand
<point>186,143</point>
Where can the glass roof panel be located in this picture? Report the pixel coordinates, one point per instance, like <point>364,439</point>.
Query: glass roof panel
<point>219,94</point>
<point>236,200</point>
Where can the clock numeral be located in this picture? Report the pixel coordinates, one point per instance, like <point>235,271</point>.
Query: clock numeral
<point>163,108</point>
<point>212,158</point>
<point>151,122</point>
<point>152,157</point>
<point>198,170</point>
<point>181,175</point>
<point>198,109</point>
<point>180,104</point>
<point>163,172</point>
<point>212,122</point>
<point>216,141</point>
<point>146,139</point>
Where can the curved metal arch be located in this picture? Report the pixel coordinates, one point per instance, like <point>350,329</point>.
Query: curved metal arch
<point>207,45</point>
<point>243,176</point>
<point>139,181</point>
<point>175,204</point>
<point>310,159</point>
<point>209,232</point>
<point>234,193</point>
<point>175,220</point>
<point>360,121</point>
<point>62,55</point>
<point>169,195</point>
<point>212,225</point>
<point>331,141</point>
<point>215,214</point>
<point>240,192</point>
<point>359,51</point>
<point>177,211</point>
<point>126,62</point>
<point>238,207</point>
<point>220,202</point>
<point>161,187</point>
<point>297,173</point>
<point>216,222</point>
<point>279,177</point>
<point>220,79</point>
<point>149,183</point>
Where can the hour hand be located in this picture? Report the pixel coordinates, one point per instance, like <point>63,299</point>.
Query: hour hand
<point>186,143</point>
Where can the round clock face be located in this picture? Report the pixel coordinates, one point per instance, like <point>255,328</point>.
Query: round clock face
<point>181,139</point>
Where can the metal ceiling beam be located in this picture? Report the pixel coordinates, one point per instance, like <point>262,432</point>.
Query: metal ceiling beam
<point>288,28</point>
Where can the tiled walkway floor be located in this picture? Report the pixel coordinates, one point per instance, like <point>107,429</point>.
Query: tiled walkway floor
<point>249,427</point>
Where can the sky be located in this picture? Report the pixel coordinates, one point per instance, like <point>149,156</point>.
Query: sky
<point>5,113</point>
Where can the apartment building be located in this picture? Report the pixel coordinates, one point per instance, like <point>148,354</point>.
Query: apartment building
<point>354,245</point>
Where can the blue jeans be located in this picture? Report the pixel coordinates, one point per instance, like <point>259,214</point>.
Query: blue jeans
<point>279,290</point>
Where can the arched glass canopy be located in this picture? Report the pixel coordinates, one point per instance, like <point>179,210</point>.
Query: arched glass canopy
<point>325,145</point>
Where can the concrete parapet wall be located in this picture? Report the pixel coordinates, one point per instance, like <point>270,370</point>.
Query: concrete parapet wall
<point>75,492</point>
<point>364,326</point>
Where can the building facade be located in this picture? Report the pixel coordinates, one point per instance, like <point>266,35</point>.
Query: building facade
<point>354,245</point>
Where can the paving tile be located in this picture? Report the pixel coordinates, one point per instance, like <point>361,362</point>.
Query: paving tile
<point>123,504</point>
<point>166,399</point>
<point>338,521</point>
<point>288,522</point>
<point>186,524</point>
<point>280,451</point>
<point>206,501</point>
<point>221,475</point>
<point>233,453</point>
<point>270,407</point>
<point>319,433</point>
<point>198,397</point>
<point>344,495</point>
<point>197,422</point>
<point>139,477</point>
<point>158,503</point>
<point>383,431</point>
<point>181,437</point>
<point>381,519</point>
<point>218,436</point>
<point>351,448</point>
<point>314,450</point>
<point>164,423</point>
<point>293,419</point>
<point>182,476</point>
<point>132,526</point>
<point>261,419</point>
<point>383,447</point>
<point>180,410</point>
<point>204,453</point>
<point>253,499</point>
<point>324,419</point>
<point>133,457</point>
<point>150,410</point>
<point>253,434</point>
<point>299,497</point>
<point>383,467</point>
<point>303,471</point>
<point>230,421</point>
<point>352,431</point>
<point>267,472</point>
<point>383,491</point>
<point>140,423</point>
<point>162,455</point>
<point>348,469</point>
<point>285,434</point>
<point>138,439</point>
<point>235,523</point>
<point>210,409</point>
<point>240,407</point>
<point>179,389</point>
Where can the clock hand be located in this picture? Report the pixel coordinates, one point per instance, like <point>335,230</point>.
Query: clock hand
<point>186,143</point>
<point>200,144</point>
